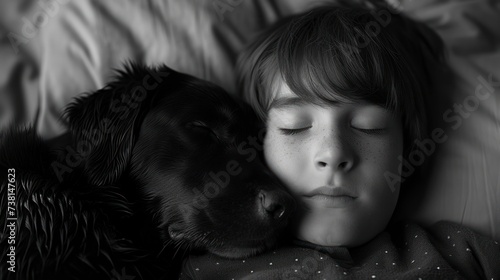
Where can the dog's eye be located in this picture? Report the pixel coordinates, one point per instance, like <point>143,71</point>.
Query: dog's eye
<point>200,126</point>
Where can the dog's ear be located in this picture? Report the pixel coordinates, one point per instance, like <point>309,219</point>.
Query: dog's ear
<point>105,123</point>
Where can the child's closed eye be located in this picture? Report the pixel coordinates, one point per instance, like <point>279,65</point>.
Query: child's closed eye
<point>375,131</point>
<point>294,131</point>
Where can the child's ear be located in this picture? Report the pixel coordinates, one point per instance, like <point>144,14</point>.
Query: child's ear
<point>105,123</point>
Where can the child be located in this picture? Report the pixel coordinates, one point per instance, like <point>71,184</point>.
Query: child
<point>342,90</point>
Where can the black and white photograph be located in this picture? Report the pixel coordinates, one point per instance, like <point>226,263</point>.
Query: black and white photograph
<point>249,139</point>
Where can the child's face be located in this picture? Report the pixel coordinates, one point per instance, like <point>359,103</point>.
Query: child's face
<point>311,147</point>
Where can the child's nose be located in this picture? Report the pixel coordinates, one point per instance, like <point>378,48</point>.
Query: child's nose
<point>334,152</point>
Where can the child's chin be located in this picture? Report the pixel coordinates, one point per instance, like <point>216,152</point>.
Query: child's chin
<point>327,237</point>
<point>339,231</point>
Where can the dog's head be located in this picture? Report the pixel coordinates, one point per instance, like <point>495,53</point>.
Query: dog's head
<point>193,152</point>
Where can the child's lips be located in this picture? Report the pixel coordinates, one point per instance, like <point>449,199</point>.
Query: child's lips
<point>331,191</point>
<point>331,197</point>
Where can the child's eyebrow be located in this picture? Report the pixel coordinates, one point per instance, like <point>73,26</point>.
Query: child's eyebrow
<point>286,102</point>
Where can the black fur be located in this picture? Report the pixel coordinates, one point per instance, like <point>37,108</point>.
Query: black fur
<point>136,184</point>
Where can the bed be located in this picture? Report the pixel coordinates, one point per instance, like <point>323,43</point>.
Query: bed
<point>54,50</point>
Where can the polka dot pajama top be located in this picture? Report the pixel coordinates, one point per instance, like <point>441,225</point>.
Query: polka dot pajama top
<point>406,251</point>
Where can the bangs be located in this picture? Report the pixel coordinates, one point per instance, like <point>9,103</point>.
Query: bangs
<point>340,54</point>
<point>324,57</point>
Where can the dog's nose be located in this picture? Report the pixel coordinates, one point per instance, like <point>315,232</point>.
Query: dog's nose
<point>272,204</point>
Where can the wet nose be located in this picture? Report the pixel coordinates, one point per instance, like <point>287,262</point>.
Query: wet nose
<point>272,204</point>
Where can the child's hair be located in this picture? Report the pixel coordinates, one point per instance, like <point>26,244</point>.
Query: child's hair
<point>356,52</point>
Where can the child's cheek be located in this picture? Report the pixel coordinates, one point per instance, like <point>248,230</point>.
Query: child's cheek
<point>383,190</point>
<point>285,157</point>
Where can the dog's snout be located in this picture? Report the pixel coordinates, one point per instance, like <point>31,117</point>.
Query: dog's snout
<point>272,205</point>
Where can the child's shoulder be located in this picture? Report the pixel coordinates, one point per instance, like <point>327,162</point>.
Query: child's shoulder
<point>440,234</point>
<point>443,246</point>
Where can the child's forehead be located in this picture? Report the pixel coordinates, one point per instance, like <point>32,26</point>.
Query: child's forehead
<point>283,96</point>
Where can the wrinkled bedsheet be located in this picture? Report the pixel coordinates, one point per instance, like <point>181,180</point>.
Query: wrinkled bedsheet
<point>54,50</point>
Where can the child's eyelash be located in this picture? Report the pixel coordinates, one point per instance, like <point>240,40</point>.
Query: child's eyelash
<point>372,131</point>
<point>293,131</point>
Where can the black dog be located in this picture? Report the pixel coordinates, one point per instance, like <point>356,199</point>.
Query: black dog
<point>159,161</point>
